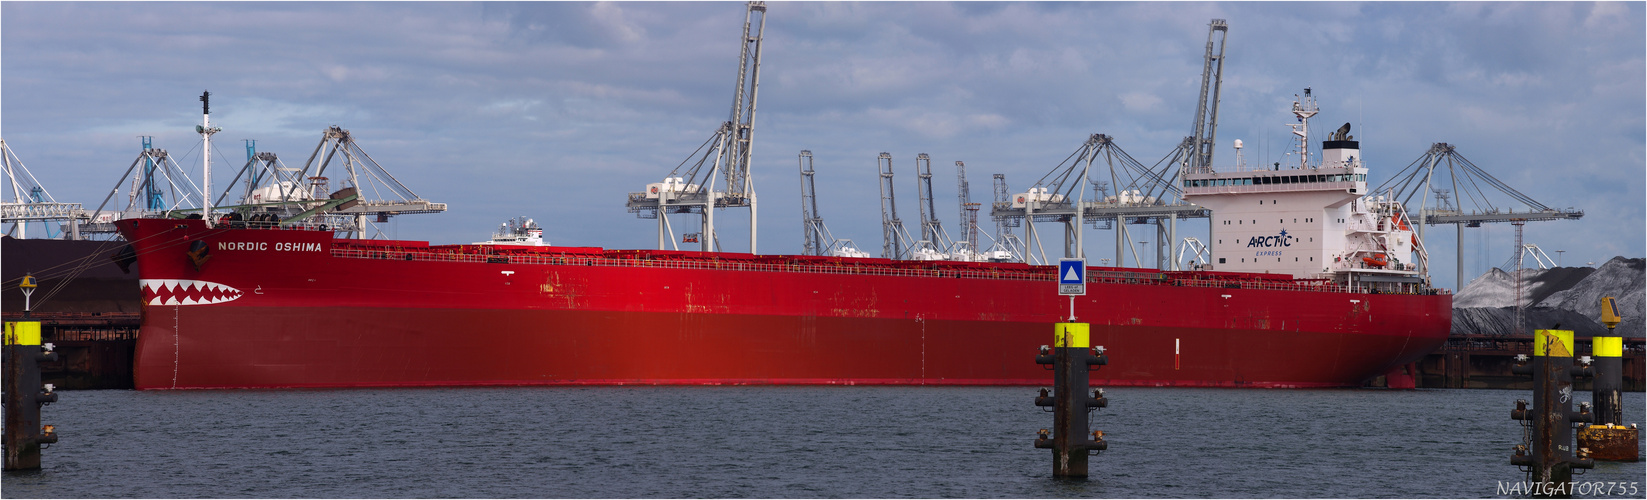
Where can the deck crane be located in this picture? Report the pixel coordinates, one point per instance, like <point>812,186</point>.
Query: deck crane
<point>935,243</point>
<point>895,242</point>
<point>725,157</point>
<point>817,238</point>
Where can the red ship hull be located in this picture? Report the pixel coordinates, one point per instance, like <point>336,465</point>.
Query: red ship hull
<point>294,308</point>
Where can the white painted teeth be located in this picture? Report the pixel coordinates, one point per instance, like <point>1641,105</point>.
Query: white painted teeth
<point>186,292</point>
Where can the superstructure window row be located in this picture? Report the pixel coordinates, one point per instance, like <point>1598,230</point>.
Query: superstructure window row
<point>1279,179</point>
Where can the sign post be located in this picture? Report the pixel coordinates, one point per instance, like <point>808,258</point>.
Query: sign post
<point>1072,281</point>
<point>1072,277</point>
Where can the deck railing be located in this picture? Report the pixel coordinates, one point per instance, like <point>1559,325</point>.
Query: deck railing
<point>871,269</point>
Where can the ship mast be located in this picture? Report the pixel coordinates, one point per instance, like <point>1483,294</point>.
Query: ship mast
<point>1303,109</point>
<point>206,130</point>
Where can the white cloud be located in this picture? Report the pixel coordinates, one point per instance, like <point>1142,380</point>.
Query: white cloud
<point>1140,101</point>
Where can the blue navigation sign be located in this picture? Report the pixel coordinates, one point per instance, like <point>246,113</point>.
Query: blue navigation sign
<point>1072,277</point>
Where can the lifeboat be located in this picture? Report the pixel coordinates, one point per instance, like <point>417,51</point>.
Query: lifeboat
<point>1377,260</point>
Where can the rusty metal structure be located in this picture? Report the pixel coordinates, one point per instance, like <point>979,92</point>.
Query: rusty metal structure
<point>1547,453</point>
<point>1608,438</point>
<point>1071,360</point>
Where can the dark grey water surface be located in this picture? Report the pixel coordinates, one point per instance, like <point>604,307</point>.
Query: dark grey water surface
<point>760,441</point>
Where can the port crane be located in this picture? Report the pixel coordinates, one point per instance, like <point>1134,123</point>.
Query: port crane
<point>1006,246</point>
<point>1442,166</point>
<point>817,240</point>
<point>1143,194</point>
<point>368,188</point>
<point>160,179</point>
<point>27,201</point>
<point>966,246</point>
<point>691,187</point>
<point>895,243</point>
<point>935,243</point>
<point>273,193</point>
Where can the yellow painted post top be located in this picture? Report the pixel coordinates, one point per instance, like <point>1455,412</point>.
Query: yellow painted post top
<point>22,333</point>
<point>1607,347</point>
<point>28,282</point>
<point>1556,343</point>
<point>1071,335</point>
<point>1609,313</point>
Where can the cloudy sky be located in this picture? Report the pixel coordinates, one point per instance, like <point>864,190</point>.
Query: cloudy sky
<point>556,110</point>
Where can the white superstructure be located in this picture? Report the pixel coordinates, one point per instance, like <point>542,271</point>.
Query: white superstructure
<point>517,231</point>
<point>1310,220</point>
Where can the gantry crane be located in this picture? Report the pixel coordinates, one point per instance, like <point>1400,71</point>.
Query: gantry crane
<point>725,157</point>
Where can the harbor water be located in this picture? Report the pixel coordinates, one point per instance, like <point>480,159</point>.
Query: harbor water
<point>783,442</point>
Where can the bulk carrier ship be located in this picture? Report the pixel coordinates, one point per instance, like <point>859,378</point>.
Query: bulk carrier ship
<point>258,298</point>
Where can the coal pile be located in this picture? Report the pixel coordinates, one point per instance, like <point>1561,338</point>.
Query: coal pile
<point>1566,296</point>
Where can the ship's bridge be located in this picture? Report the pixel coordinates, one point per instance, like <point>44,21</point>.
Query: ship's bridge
<point>1340,170</point>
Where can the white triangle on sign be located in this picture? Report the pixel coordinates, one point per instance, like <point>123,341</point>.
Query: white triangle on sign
<point>1072,275</point>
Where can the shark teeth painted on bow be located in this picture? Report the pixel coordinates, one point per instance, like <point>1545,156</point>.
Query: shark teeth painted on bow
<point>186,292</point>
